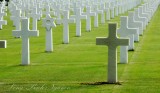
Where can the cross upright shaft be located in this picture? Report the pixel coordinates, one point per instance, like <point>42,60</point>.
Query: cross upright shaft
<point>112,42</point>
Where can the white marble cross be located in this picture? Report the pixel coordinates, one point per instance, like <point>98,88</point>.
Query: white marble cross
<point>58,13</point>
<point>2,22</point>
<point>141,14</point>
<point>48,23</point>
<point>16,19</point>
<point>78,16</point>
<point>126,32</point>
<point>2,13</point>
<point>97,12</point>
<point>39,10</point>
<point>102,7</point>
<point>112,42</point>
<point>112,10</point>
<point>116,8</point>
<point>65,21</point>
<point>120,7</point>
<point>35,17</point>
<point>149,13</point>
<point>25,33</point>
<point>88,21</point>
<point>141,19</point>
<point>108,15</point>
<point>48,11</point>
<point>133,24</point>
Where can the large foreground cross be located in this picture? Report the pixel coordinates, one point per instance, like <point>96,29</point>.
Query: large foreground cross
<point>112,42</point>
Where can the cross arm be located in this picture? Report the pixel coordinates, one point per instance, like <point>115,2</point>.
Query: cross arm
<point>4,22</point>
<point>123,42</point>
<point>33,33</point>
<point>100,11</point>
<point>101,41</point>
<point>83,13</point>
<point>126,32</point>
<point>59,20</point>
<point>71,20</point>
<point>133,30</point>
<point>73,16</point>
<point>93,14</point>
<point>16,33</point>
<point>83,17</point>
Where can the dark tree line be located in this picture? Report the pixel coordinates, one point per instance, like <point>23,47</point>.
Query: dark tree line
<point>6,3</point>
<point>5,0</point>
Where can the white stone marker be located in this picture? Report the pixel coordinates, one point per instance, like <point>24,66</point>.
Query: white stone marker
<point>48,23</point>
<point>141,14</point>
<point>97,11</point>
<point>35,17</point>
<point>126,32</point>
<point>88,21</point>
<point>39,10</point>
<point>78,16</point>
<point>135,24</point>
<point>141,19</point>
<point>120,7</point>
<point>131,25</point>
<point>65,21</point>
<point>149,9</point>
<point>16,19</point>
<point>48,11</point>
<point>112,42</point>
<point>25,33</point>
<point>102,7</point>
<point>3,44</point>
<point>108,15</point>
<point>58,14</point>
<point>116,8</point>
<point>112,10</point>
<point>2,13</point>
<point>2,22</point>
<point>147,12</point>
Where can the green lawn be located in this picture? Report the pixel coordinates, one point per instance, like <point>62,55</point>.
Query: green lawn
<point>80,61</point>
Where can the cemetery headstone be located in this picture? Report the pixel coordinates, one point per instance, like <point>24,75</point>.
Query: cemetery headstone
<point>126,32</point>
<point>25,33</point>
<point>141,14</point>
<point>88,21</point>
<point>48,23</point>
<point>112,42</point>
<point>108,17</point>
<point>97,12</point>
<point>78,16</point>
<point>35,16</point>
<point>141,19</point>
<point>65,21</point>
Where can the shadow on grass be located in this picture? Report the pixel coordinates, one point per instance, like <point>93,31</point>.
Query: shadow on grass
<point>101,83</point>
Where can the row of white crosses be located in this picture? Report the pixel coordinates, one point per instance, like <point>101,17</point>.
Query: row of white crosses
<point>125,32</point>
<point>48,10</point>
<point>3,43</point>
<point>136,23</point>
<point>2,14</point>
<point>35,14</point>
<point>139,21</point>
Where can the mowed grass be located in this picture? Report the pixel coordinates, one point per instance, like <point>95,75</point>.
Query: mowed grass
<point>80,61</point>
